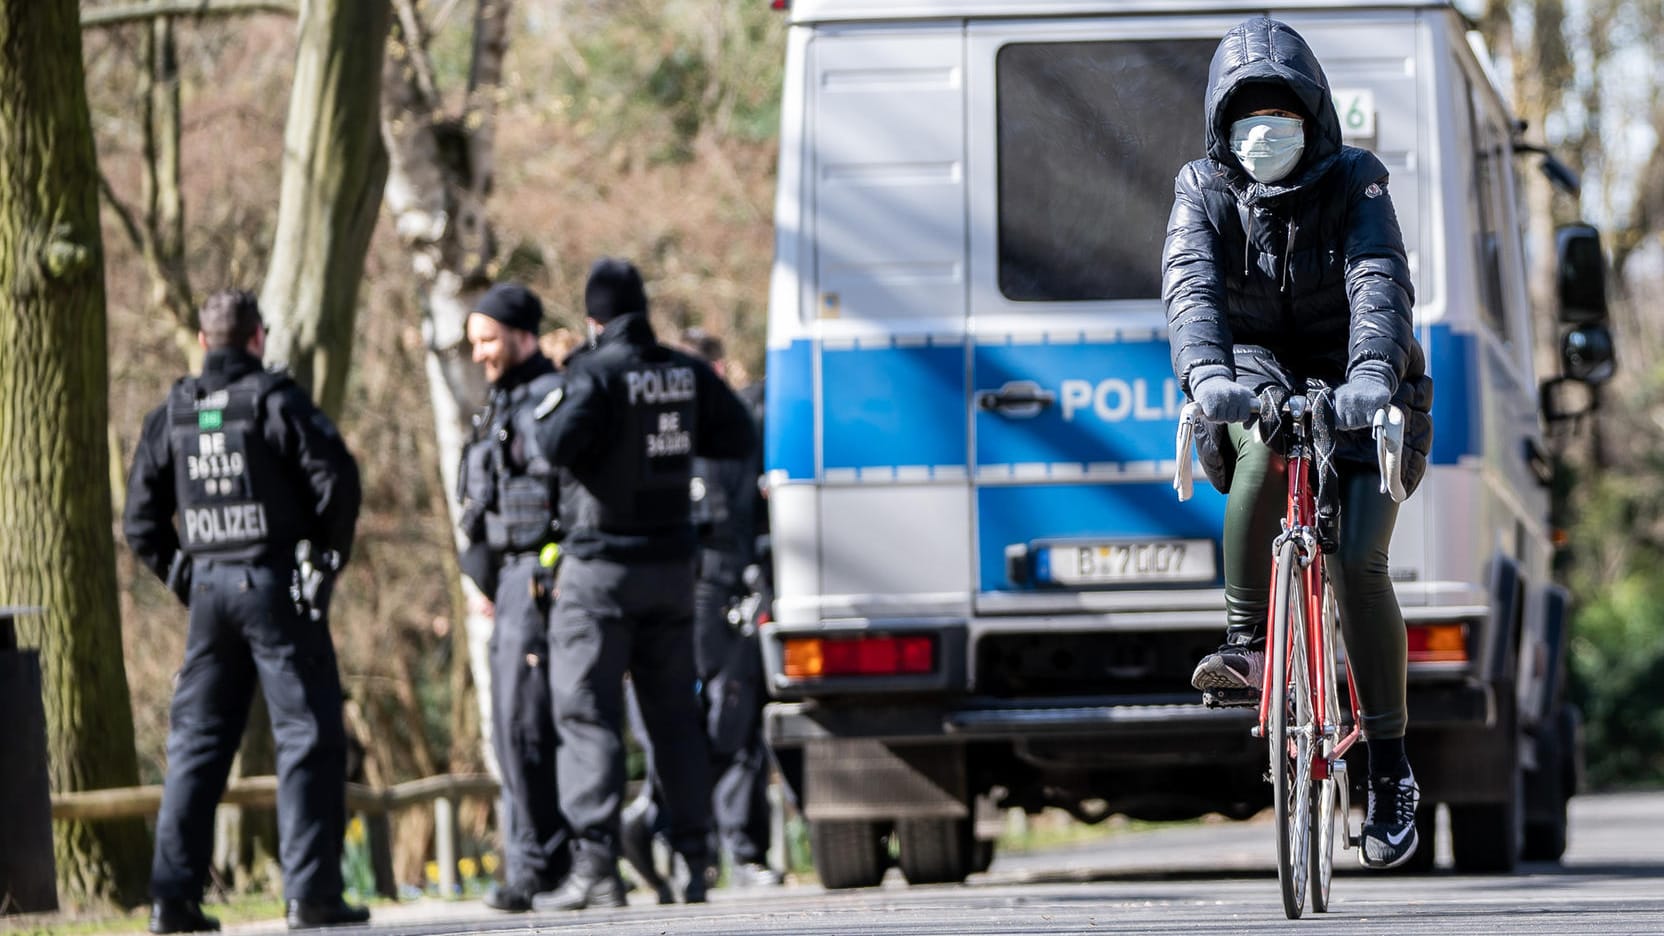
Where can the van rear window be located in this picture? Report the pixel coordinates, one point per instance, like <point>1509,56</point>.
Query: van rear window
<point>1091,135</point>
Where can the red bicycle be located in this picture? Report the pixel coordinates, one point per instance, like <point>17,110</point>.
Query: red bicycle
<point>1300,713</point>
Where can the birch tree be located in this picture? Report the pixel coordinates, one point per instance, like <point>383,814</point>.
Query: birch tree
<point>441,163</point>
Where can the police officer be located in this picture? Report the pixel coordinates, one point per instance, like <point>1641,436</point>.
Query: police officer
<point>726,501</point>
<point>267,497</point>
<point>633,417</point>
<point>509,492</point>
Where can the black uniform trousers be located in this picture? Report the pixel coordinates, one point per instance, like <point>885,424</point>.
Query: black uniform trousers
<point>739,761</point>
<point>534,833</point>
<point>739,764</point>
<point>243,625</point>
<point>612,618</point>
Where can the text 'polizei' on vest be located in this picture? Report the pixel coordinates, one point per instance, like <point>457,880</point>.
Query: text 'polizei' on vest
<point>664,385</point>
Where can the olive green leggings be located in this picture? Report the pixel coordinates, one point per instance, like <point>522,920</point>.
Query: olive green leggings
<point>1371,622</point>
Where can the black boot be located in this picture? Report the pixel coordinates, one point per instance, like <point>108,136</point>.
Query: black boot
<point>176,915</point>
<point>636,841</point>
<point>699,878</point>
<point>337,912</point>
<point>510,898</point>
<point>594,882</point>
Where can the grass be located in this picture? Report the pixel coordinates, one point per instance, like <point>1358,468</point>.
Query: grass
<point>251,909</point>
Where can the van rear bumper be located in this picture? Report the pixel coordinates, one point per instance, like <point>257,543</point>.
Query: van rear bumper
<point>972,719</point>
<point>793,724</point>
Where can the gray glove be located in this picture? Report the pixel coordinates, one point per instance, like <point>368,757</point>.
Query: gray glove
<point>1222,399</point>
<point>1358,400</point>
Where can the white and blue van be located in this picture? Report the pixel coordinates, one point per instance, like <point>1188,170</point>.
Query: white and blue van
<point>987,594</point>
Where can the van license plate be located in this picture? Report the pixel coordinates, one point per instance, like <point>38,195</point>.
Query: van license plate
<point>1119,563</point>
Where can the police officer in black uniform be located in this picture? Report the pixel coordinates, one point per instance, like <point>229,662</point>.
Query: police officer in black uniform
<point>634,416</point>
<point>509,492</point>
<point>267,497</point>
<point>726,503</point>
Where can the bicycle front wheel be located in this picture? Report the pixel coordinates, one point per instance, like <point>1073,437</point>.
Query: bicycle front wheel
<point>1289,725</point>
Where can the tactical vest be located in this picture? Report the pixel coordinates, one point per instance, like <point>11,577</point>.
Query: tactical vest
<point>640,485</point>
<point>236,500</point>
<point>520,485</point>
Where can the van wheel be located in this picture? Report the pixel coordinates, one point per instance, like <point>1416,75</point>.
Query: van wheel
<point>848,853</point>
<point>935,851</point>
<point>1485,838</point>
<point>1545,832</point>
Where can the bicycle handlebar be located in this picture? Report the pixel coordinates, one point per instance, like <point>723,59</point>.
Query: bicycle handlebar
<point>1388,430</point>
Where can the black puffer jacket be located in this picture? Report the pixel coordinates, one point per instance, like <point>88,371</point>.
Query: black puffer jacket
<point>1310,268</point>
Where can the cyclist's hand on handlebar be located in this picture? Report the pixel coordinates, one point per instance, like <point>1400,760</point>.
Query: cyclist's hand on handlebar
<point>1223,400</point>
<point>1358,400</point>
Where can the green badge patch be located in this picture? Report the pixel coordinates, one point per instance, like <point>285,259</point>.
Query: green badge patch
<point>209,420</point>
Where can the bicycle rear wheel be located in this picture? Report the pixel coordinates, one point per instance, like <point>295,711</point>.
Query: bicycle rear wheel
<point>1289,731</point>
<point>1326,792</point>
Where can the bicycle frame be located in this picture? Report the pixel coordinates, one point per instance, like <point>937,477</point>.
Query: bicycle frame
<point>1299,524</point>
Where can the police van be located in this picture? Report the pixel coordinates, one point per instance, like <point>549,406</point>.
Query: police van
<point>987,595</point>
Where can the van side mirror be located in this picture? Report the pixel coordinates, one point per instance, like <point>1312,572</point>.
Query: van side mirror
<point>1562,398</point>
<point>1581,275</point>
<point>1586,354</point>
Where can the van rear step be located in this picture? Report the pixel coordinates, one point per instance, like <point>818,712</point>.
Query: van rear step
<point>1093,719</point>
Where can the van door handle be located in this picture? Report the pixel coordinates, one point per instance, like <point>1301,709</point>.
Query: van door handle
<point>1019,399</point>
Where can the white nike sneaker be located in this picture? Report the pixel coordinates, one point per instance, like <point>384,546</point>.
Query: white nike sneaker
<point>1389,835</point>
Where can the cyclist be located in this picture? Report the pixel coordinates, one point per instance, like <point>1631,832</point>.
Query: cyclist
<point>1283,262</point>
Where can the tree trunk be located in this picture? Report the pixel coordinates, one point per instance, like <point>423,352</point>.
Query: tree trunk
<point>440,172</point>
<point>56,547</point>
<point>334,168</point>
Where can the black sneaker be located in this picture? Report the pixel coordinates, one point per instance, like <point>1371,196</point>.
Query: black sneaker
<point>1231,667</point>
<point>1389,835</point>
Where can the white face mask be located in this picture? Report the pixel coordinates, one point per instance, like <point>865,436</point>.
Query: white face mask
<point>1268,147</point>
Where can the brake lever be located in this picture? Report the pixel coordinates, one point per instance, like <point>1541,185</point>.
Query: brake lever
<point>1388,430</point>
<point>1183,481</point>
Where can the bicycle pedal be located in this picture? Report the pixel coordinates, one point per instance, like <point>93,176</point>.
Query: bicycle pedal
<point>1230,698</point>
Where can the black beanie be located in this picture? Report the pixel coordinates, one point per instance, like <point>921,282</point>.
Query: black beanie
<point>614,289</point>
<point>1260,95</point>
<point>513,305</point>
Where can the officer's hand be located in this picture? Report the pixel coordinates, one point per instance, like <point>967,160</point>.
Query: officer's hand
<point>480,605</point>
<point>1223,400</point>
<point>1358,400</point>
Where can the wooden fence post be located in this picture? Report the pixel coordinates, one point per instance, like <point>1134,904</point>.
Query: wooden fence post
<point>444,844</point>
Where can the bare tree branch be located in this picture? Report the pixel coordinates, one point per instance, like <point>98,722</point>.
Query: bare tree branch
<point>124,214</point>
<point>413,49</point>
<point>100,17</point>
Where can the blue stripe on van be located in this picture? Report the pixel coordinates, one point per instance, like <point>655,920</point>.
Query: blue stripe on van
<point>893,406</point>
<point>1458,417</point>
<point>1114,402</point>
<point>1021,514</point>
<point>789,406</point>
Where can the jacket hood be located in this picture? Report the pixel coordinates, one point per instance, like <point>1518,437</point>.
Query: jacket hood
<point>1266,50</point>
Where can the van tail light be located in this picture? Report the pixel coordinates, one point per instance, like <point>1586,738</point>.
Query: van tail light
<point>780,4</point>
<point>817,657</point>
<point>1438,643</point>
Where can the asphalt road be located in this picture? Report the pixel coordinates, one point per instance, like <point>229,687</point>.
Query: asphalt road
<point>1201,878</point>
